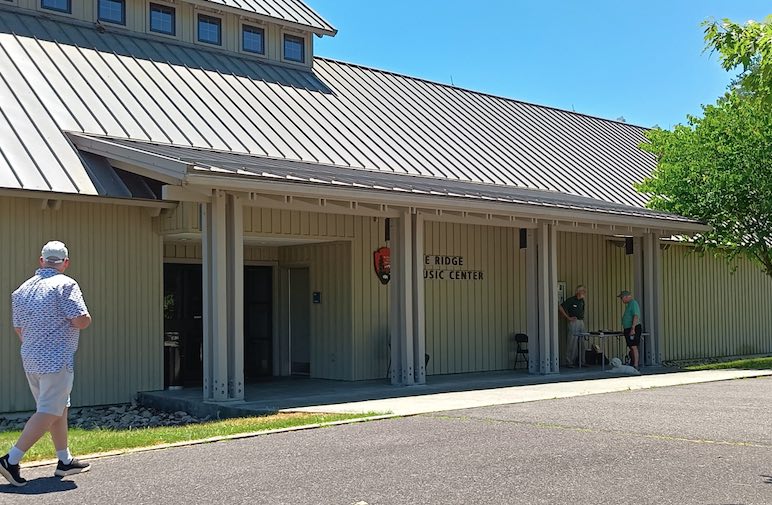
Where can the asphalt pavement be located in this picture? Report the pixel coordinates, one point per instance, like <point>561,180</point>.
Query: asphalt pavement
<point>696,444</point>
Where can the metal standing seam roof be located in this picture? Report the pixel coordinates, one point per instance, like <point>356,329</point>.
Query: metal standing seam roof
<point>205,161</point>
<point>57,77</point>
<point>291,11</point>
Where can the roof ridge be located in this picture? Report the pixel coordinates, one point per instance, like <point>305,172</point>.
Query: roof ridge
<point>477,92</point>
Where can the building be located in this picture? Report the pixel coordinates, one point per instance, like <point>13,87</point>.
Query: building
<point>224,190</point>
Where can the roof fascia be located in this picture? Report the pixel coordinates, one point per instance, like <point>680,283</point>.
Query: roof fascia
<point>153,166</point>
<point>533,211</point>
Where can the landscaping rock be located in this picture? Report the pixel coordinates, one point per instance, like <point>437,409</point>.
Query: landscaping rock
<point>112,417</point>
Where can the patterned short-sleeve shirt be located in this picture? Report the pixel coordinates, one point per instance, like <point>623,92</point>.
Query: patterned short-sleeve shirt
<point>42,308</point>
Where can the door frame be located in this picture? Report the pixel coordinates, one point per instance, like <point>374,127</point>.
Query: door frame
<point>283,351</point>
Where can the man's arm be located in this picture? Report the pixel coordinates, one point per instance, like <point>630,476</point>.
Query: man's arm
<point>564,313</point>
<point>18,332</point>
<point>636,315</point>
<point>81,322</point>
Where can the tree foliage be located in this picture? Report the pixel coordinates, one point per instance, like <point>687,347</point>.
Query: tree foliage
<point>718,169</point>
<point>748,46</point>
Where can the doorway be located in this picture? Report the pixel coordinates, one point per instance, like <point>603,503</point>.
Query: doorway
<point>299,321</point>
<point>258,322</point>
<point>184,323</point>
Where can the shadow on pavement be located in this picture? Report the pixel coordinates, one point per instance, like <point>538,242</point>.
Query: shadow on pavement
<point>767,479</point>
<point>43,485</point>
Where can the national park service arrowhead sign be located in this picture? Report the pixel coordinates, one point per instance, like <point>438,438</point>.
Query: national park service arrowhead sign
<point>382,264</point>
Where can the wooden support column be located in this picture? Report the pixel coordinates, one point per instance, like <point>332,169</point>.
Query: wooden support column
<point>419,301</point>
<point>532,302</point>
<point>215,295</point>
<point>401,301</point>
<point>235,297</point>
<point>547,292</point>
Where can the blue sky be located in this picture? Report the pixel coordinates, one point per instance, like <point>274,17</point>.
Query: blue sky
<point>639,60</point>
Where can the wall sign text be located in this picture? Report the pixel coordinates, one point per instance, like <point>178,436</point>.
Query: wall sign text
<point>449,268</point>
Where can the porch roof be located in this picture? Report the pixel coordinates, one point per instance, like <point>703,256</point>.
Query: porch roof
<point>184,165</point>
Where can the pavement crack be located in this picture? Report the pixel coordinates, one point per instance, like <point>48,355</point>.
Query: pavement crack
<point>583,429</point>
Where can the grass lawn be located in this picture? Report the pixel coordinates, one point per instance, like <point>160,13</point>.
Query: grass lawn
<point>745,364</point>
<point>84,442</point>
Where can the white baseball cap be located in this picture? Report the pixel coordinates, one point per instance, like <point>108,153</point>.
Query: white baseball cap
<point>54,252</point>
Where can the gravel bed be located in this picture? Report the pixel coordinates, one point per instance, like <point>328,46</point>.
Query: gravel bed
<point>112,417</point>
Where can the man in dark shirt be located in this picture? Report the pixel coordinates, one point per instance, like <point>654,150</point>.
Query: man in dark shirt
<point>573,310</point>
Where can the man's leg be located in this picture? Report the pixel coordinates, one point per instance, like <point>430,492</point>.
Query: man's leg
<point>36,427</point>
<point>59,437</point>
<point>570,346</point>
<point>634,356</point>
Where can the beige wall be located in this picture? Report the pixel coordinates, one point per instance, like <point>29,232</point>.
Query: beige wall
<point>599,263</point>
<point>116,258</point>
<point>468,322</point>
<point>331,341</point>
<point>708,311</point>
<point>186,218</point>
<point>370,302</point>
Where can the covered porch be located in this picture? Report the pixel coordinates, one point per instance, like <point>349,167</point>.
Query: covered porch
<point>294,393</point>
<point>224,184</point>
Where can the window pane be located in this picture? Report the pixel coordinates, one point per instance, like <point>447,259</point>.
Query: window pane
<point>162,19</point>
<point>209,29</point>
<point>112,11</point>
<point>253,39</point>
<point>56,5</point>
<point>294,48</point>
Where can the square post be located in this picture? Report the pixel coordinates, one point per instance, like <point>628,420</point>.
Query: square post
<point>235,297</point>
<point>549,360</point>
<point>214,273</point>
<point>419,301</point>
<point>401,301</point>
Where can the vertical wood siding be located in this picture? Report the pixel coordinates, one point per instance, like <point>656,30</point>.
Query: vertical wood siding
<point>331,338</point>
<point>710,312</point>
<point>370,302</point>
<point>186,218</point>
<point>468,322</point>
<point>604,268</point>
<point>116,258</point>
<point>191,251</point>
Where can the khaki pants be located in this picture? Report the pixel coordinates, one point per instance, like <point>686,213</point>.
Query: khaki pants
<point>572,341</point>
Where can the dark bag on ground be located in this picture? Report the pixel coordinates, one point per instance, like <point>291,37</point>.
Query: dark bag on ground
<point>593,357</point>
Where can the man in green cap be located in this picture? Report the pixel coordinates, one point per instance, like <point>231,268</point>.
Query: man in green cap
<point>631,323</point>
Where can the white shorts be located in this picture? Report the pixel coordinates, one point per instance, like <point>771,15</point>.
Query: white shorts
<point>51,391</point>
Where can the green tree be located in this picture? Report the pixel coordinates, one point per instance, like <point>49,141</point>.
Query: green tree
<point>718,169</point>
<point>748,46</point>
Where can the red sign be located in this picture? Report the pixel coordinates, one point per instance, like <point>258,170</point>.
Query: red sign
<point>382,264</point>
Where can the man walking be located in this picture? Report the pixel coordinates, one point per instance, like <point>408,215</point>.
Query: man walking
<point>631,323</point>
<point>48,314</point>
<point>573,311</point>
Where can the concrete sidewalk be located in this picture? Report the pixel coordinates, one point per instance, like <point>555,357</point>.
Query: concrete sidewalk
<point>440,402</point>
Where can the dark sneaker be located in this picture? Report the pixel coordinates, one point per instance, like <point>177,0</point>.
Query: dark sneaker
<point>11,472</point>
<point>74,467</point>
